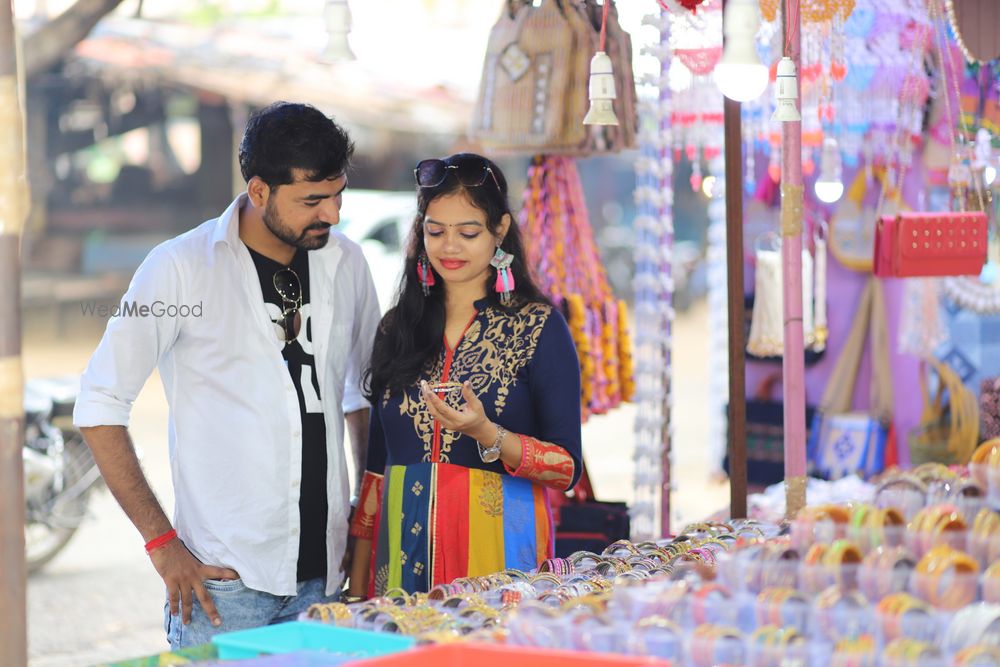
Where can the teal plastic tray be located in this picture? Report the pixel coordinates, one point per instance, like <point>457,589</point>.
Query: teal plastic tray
<point>298,636</point>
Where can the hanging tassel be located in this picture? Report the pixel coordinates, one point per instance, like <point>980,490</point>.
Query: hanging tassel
<point>767,335</point>
<point>819,295</point>
<point>505,285</point>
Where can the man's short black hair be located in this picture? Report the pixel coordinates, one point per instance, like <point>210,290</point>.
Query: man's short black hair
<point>286,136</point>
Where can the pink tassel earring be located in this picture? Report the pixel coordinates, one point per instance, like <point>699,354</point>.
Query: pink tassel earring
<point>425,273</point>
<point>505,277</point>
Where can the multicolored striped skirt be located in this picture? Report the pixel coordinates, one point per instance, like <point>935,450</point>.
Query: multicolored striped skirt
<point>440,521</point>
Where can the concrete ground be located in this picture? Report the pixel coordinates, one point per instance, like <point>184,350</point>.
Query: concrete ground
<point>101,600</point>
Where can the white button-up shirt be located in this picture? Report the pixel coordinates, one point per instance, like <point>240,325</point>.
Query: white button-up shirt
<point>235,426</point>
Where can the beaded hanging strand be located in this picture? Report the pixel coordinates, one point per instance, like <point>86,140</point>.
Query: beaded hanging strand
<point>653,292</point>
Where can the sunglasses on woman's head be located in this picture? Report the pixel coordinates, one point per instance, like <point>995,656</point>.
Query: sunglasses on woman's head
<point>286,283</point>
<point>470,172</point>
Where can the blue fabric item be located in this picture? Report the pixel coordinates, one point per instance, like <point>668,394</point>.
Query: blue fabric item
<point>417,489</point>
<point>519,510</point>
<point>973,348</point>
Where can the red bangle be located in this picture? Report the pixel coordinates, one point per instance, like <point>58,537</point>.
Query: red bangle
<point>160,541</point>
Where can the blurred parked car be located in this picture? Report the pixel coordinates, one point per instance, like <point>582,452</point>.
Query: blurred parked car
<point>617,248</point>
<point>380,221</point>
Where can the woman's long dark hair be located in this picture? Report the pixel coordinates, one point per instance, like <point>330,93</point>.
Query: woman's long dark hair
<point>412,332</point>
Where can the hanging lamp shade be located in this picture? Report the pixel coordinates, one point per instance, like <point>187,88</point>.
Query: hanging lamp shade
<point>337,17</point>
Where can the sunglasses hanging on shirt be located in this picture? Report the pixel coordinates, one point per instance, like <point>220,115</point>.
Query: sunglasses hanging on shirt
<point>286,283</point>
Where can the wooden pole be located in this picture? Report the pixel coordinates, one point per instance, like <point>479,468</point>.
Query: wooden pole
<point>737,317</point>
<point>737,419</point>
<point>13,209</point>
<point>793,364</point>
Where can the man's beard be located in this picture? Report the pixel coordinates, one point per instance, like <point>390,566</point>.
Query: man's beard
<point>303,241</point>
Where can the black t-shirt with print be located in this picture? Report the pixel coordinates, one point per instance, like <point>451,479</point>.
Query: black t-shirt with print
<point>301,366</point>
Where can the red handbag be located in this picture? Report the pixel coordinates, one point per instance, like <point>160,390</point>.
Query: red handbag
<point>930,244</point>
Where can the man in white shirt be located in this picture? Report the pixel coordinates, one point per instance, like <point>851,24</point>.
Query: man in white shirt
<point>261,323</point>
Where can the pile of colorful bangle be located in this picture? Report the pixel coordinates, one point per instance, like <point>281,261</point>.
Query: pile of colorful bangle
<point>586,579</point>
<point>933,484</point>
<point>740,593</point>
<point>985,469</point>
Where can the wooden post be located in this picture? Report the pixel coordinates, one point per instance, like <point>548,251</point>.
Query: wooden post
<point>13,209</point>
<point>737,316</point>
<point>793,363</point>
<point>215,175</point>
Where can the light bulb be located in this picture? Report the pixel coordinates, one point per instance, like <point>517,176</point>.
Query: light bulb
<point>601,91</point>
<point>679,77</point>
<point>829,185</point>
<point>786,92</point>
<point>740,75</point>
<point>829,191</point>
<point>708,185</point>
<point>741,82</point>
<point>989,174</point>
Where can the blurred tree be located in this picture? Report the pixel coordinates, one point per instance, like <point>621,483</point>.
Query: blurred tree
<point>47,45</point>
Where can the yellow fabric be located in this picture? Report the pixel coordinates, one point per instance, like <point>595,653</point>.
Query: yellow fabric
<point>486,546</point>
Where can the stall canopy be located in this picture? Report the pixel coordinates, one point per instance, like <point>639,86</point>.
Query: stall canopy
<point>255,62</point>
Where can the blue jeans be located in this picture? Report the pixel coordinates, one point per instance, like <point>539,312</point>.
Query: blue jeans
<point>241,608</point>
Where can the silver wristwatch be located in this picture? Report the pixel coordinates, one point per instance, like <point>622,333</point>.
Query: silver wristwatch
<point>492,453</point>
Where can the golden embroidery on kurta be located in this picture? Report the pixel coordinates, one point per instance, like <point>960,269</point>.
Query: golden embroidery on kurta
<point>499,350</point>
<point>423,424</point>
<point>382,579</point>
<point>491,354</point>
<point>491,495</point>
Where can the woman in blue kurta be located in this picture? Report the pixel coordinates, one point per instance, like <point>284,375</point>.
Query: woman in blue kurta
<point>456,490</point>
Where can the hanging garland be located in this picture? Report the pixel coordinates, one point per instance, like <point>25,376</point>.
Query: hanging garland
<point>972,294</point>
<point>626,371</point>
<point>857,60</point>
<point>653,290</point>
<point>569,270</point>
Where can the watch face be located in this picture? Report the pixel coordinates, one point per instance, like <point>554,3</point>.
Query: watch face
<point>489,455</point>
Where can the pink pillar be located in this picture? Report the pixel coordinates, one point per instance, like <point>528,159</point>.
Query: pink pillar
<point>791,251</point>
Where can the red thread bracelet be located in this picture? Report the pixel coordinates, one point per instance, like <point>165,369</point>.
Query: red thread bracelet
<point>160,541</point>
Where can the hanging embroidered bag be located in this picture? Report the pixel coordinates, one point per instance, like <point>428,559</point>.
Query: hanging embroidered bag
<point>844,442</point>
<point>533,93</point>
